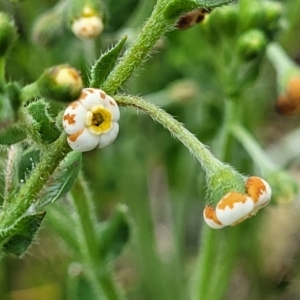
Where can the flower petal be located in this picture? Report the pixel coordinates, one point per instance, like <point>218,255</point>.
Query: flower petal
<point>113,107</point>
<point>107,138</point>
<point>234,208</point>
<point>74,117</point>
<point>83,140</point>
<point>210,217</point>
<point>259,190</point>
<point>90,97</point>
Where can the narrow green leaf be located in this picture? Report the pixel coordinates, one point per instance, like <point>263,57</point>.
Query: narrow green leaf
<point>62,179</point>
<point>114,234</point>
<point>104,65</point>
<point>17,238</point>
<point>46,125</point>
<point>12,135</point>
<point>179,7</point>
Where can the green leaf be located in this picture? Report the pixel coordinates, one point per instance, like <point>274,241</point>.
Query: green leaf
<point>17,238</point>
<point>176,8</point>
<point>45,124</point>
<point>27,162</point>
<point>12,135</point>
<point>114,234</point>
<point>13,91</point>
<point>62,179</point>
<point>104,65</point>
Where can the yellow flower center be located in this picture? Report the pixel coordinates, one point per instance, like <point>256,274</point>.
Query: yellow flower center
<point>98,119</point>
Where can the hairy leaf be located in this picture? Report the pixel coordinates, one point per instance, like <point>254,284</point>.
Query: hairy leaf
<point>17,238</point>
<point>104,65</point>
<point>12,135</point>
<point>62,179</point>
<point>45,124</point>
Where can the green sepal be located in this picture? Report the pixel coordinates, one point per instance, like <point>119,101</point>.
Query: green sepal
<point>62,180</point>
<point>26,163</point>
<point>175,9</point>
<point>104,65</point>
<point>13,92</point>
<point>13,134</point>
<point>43,121</point>
<point>114,234</point>
<point>221,182</point>
<point>16,239</point>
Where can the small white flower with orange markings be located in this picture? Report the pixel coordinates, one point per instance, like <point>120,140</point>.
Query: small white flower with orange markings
<point>236,207</point>
<point>91,121</point>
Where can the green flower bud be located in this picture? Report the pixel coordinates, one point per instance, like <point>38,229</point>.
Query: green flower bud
<point>48,28</point>
<point>251,15</point>
<point>251,44</point>
<point>225,20</point>
<point>272,13</point>
<point>62,83</point>
<point>284,186</point>
<point>8,33</point>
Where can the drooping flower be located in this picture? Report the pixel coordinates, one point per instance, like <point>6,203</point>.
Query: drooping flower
<point>91,121</point>
<point>236,207</point>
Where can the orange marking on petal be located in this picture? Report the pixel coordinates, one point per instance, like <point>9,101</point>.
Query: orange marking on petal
<point>70,118</point>
<point>83,95</point>
<point>230,199</point>
<point>209,213</point>
<point>73,137</point>
<point>102,95</point>
<point>112,103</point>
<point>74,104</point>
<point>255,187</point>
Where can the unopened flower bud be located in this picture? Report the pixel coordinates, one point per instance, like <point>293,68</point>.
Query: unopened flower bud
<point>288,81</point>
<point>48,28</point>
<point>88,25</point>
<point>62,83</point>
<point>272,13</point>
<point>251,44</point>
<point>284,187</point>
<point>289,102</point>
<point>8,33</point>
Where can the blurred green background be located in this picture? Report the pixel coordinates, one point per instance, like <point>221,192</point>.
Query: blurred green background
<point>154,175</point>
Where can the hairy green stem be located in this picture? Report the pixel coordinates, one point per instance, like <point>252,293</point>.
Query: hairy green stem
<point>208,162</point>
<point>26,196</point>
<point>153,29</point>
<point>97,273</point>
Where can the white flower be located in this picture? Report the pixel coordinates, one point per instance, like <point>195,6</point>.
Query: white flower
<point>91,121</point>
<point>235,207</point>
